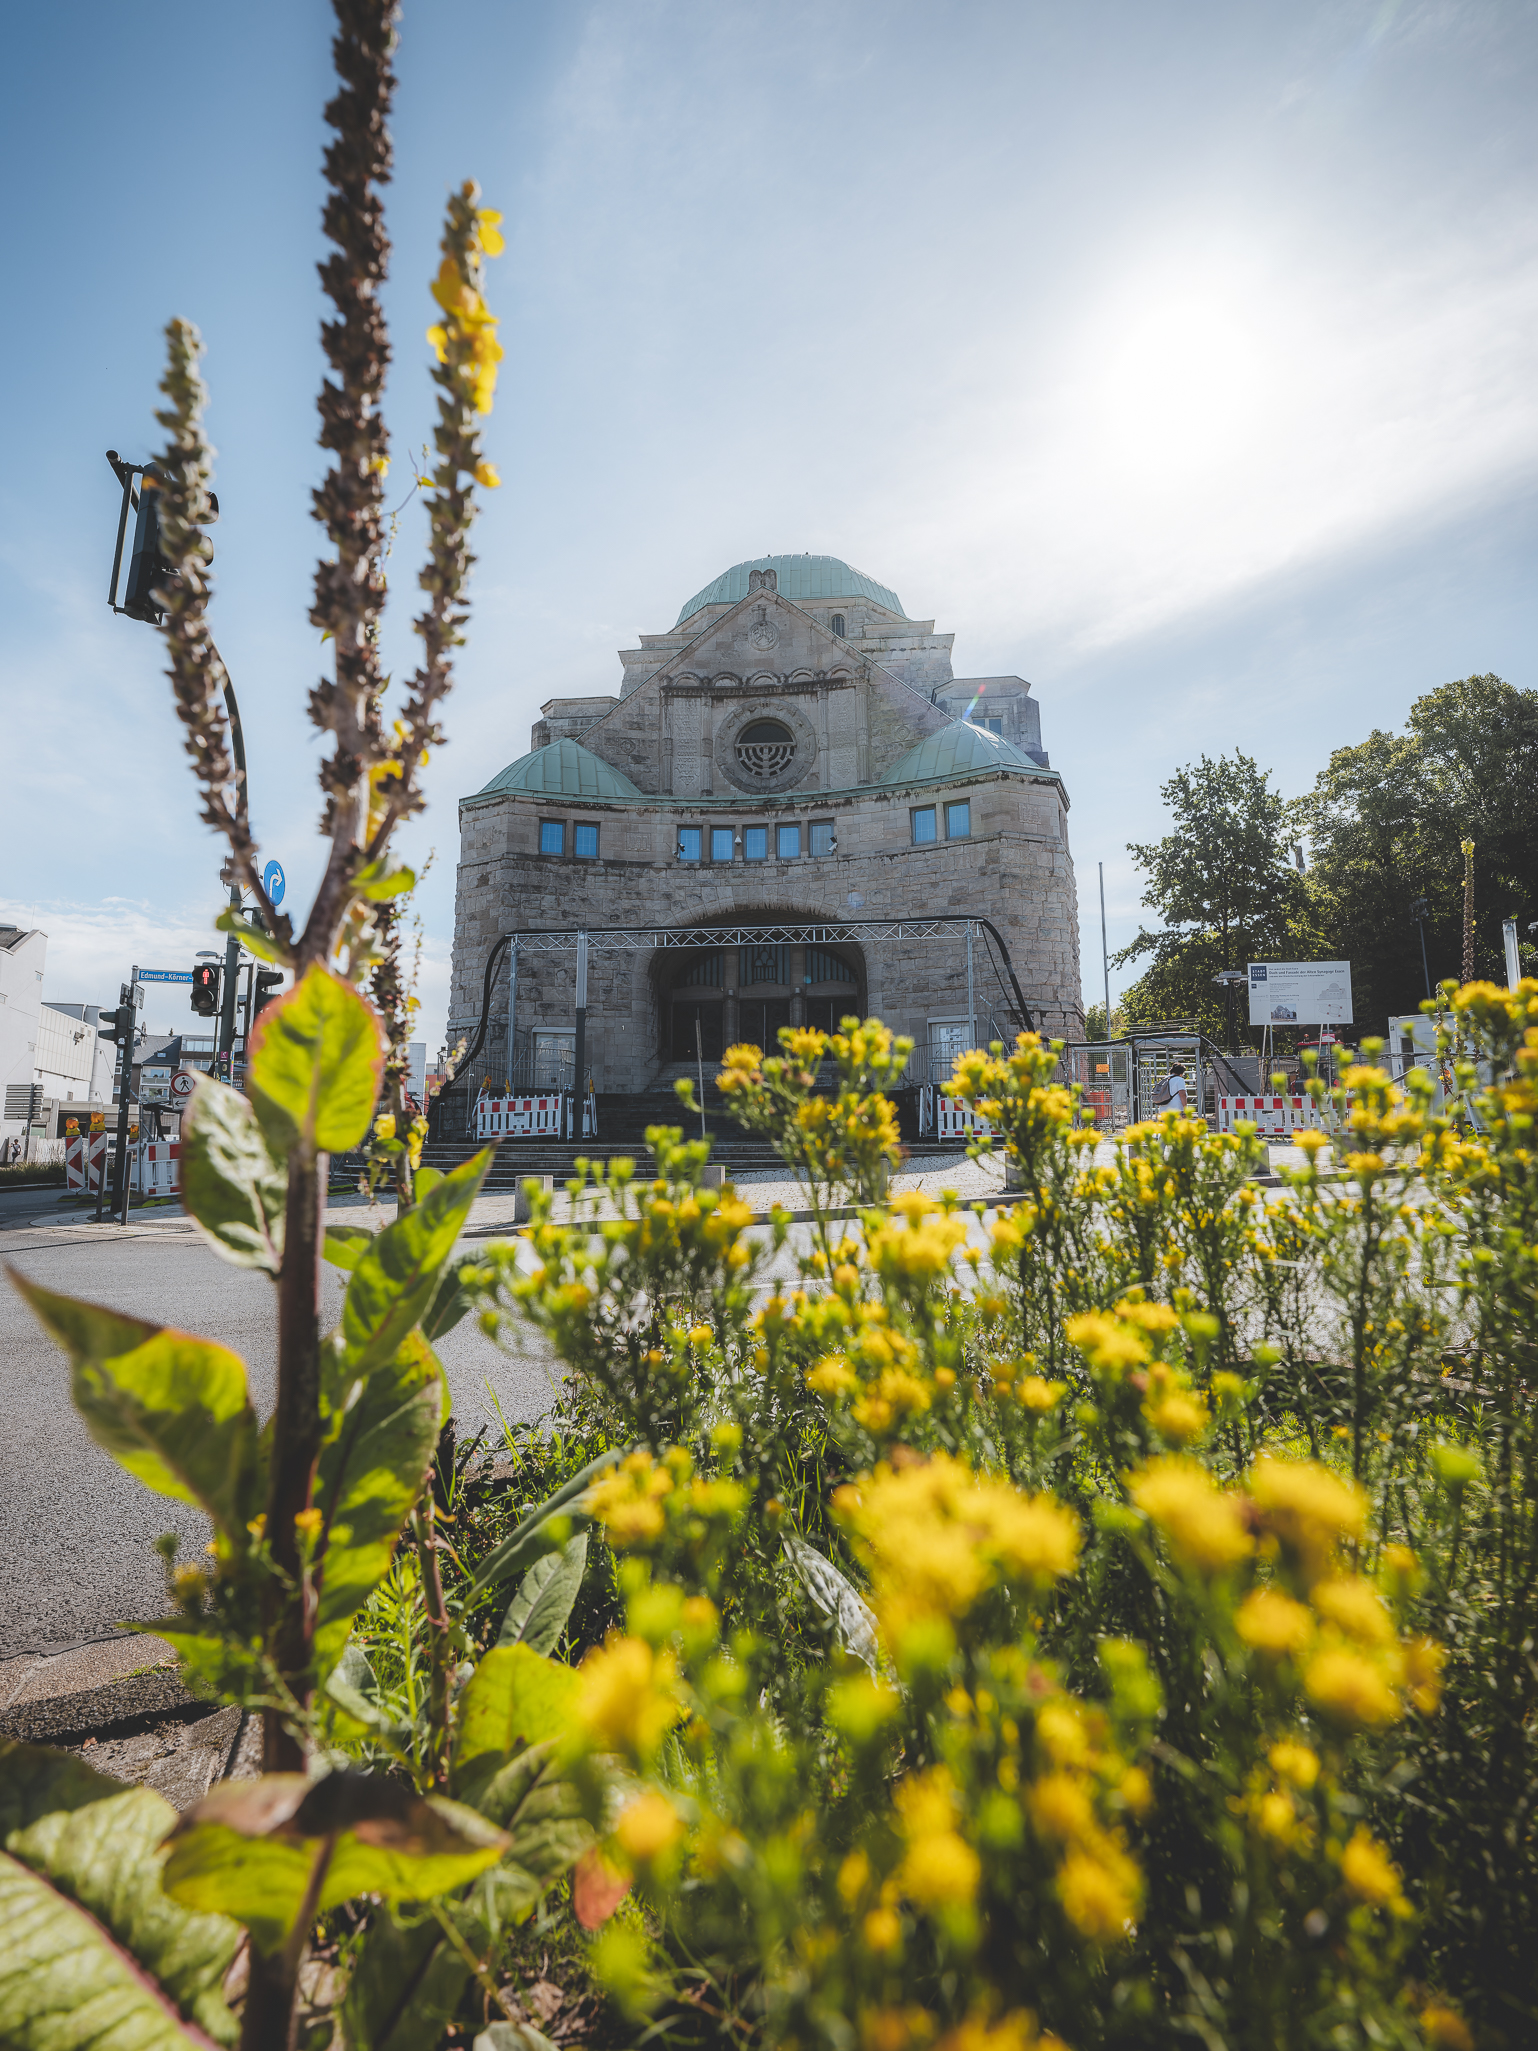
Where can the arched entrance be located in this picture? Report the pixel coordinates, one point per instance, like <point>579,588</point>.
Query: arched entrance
<point>749,991</point>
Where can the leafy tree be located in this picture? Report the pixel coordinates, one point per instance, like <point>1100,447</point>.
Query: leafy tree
<point>1223,886</point>
<point>1385,820</point>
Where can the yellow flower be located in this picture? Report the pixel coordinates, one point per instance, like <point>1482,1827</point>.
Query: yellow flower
<point>1445,2029</point>
<point>882,1930</point>
<point>1369,1872</point>
<point>1039,1395</point>
<point>1105,1342</point>
<point>1060,1807</point>
<point>625,1696</point>
<point>1202,1527</point>
<point>1424,1660</point>
<point>1136,1790</point>
<point>384,1125</point>
<point>941,1872</point>
<point>649,1827</point>
<point>308,1524</point>
<point>1277,1818</point>
<point>1013,2032</point>
<point>1061,1734</point>
<point>488,231</point>
<point>486,473</point>
<point>1310,1509</point>
<point>1178,1417</point>
<point>832,1376</point>
<point>1269,1621</point>
<point>628,1502</point>
<point>853,1876</point>
<point>1348,1687</point>
<point>1096,1895</point>
<point>1353,1605</point>
<point>1295,1762</point>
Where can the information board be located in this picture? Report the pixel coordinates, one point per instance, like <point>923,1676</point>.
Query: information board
<point>1300,993</point>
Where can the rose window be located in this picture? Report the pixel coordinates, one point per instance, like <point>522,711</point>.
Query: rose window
<point>765,750</point>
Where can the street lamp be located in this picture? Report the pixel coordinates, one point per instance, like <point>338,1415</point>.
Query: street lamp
<point>1230,979</point>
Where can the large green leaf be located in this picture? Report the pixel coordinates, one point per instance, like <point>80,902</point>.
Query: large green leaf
<point>512,2037</point>
<point>173,1409</point>
<point>542,1812</point>
<point>345,1245</point>
<point>451,1301</point>
<point>250,1848</point>
<point>396,1276</point>
<point>231,1184</point>
<point>379,884</point>
<point>254,939</point>
<point>516,1696</point>
<point>537,1614</point>
<point>380,1437</point>
<point>317,1057</point>
<point>407,1981</point>
<point>92,1953</point>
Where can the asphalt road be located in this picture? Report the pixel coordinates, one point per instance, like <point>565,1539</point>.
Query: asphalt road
<point>76,1532</point>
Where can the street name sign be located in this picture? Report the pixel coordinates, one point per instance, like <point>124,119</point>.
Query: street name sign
<point>165,975</point>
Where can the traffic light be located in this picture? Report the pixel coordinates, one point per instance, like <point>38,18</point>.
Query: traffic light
<point>116,1025</point>
<point>205,989</point>
<point>147,568</point>
<point>267,981</point>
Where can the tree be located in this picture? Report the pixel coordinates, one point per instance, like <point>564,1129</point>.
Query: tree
<point>1224,886</point>
<point>1385,821</point>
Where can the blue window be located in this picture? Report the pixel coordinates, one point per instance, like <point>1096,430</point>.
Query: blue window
<point>584,843</point>
<point>958,820</point>
<point>720,843</point>
<point>923,825</point>
<point>824,841</point>
<point>689,840</point>
<point>552,837</point>
<point>755,843</point>
<point>787,842</point>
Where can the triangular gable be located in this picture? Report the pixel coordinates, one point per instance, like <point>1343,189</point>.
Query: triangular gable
<point>628,734</point>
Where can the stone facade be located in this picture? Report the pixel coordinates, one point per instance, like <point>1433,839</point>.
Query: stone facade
<point>825,735</point>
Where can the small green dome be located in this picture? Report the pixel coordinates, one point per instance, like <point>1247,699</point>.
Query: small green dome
<point>566,770</point>
<point>797,577</point>
<point>957,750</point>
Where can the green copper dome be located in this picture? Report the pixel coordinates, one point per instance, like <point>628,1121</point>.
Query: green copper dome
<point>566,770</point>
<point>799,577</point>
<point>957,750</point>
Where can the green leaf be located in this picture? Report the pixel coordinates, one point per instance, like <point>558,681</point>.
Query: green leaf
<point>377,885</point>
<point>423,1179</point>
<point>92,1953</point>
<point>252,938</point>
<point>317,1056</point>
<point>231,1185</point>
<point>451,1301</point>
<point>396,1277</point>
<point>345,1245</point>
<point>516,1696</point>
<point>250,1848</point>
<point>543,1813</point>
<point>173,1409</point>
<point>351,1685</point>
<point>511,2037</point>
<point>537,1614</point>
<point>407,1981</point>
<point>523,1541</point>
<point>382,1431</point>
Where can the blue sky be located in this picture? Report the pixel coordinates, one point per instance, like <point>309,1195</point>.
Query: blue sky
<point>1176,358</point>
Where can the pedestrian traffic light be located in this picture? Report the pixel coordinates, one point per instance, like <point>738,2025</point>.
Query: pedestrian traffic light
<point>267,981</point>
<point>205,989</point>
<point>147,567</point>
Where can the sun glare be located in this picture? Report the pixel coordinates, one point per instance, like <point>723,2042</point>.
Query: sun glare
<point>1183,384</point>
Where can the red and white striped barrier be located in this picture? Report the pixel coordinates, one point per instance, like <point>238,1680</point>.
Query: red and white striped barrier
<point>942,1117</point>
<point>547,1117</point>
<point>158,1167</point>
<point>1272,1117</point>
<point>85,1162</point>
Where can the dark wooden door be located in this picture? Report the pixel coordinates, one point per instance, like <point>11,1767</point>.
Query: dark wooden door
<point>685,1011</point>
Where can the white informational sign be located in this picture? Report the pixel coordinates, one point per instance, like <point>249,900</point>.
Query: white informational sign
<point>1300,993</point>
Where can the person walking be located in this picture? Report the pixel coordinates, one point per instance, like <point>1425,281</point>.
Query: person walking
<point>1179,1090</point>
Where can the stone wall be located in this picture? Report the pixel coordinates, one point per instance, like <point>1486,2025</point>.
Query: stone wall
<point>1014,869</point>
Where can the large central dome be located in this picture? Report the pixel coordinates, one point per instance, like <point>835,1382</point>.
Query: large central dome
<point>799,577</point>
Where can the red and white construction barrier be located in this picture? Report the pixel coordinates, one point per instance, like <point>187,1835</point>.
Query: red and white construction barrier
<point>1272,1117</point>
<point>158,1167</point>
<point>942,1117</point>
<point>547,1117</point>
<point>85,1162</point>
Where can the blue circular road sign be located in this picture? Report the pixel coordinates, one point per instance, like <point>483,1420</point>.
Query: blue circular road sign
<point>272,883</point>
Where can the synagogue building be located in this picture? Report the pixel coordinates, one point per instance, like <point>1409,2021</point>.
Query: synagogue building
<point>791,810</point>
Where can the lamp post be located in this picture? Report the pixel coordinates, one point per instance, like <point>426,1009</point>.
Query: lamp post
<point>1230,980</point>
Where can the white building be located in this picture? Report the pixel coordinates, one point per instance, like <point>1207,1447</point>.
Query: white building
<point>22,956</point>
